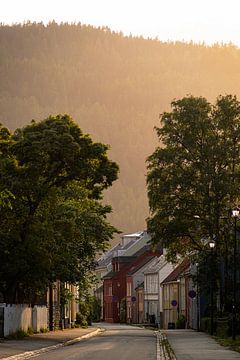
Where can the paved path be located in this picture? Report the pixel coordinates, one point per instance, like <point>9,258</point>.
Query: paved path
<point>116,343</point>
<point>39,343</point>
<point>186,344</point>
<point>193,345</point>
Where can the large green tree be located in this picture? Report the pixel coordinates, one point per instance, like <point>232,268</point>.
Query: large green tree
<point>56,223</point>
<point>193,176</point>
<point>193,184</point>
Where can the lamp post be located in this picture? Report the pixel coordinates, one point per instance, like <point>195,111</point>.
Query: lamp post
<point>198,305</point>
<point>235,215</point>
<point>212,246</point>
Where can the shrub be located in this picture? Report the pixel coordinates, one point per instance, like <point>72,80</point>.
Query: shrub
<point>17,335</point>
<point>205,324</point>
<point>181,322</point>
<point>43,330</point>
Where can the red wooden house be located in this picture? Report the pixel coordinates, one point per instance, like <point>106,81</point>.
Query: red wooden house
<point>114,284</point>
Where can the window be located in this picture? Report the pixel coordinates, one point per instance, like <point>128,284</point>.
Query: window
<point>129,289</point>
<point>109,290</point>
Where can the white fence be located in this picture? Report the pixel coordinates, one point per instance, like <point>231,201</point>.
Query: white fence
<point>23,317</point>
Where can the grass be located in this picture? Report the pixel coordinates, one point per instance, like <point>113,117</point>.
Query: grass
<point>21,334</point>
<point>230,343</point>
<point>43,330</point>
<point>17,335</point>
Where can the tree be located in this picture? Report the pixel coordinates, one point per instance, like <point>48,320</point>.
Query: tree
<point>57,222</point>
<point>193,179</point>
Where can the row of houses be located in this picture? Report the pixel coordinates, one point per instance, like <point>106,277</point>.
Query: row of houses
<point>138,285</point>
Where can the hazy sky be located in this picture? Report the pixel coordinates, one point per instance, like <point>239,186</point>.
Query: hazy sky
<point>198,20</point>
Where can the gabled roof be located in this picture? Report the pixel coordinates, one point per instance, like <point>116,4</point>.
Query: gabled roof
<point>130,244</point>
<point>124,259</point>
<point>141,264</point>
<point>140,286</point>
<point>109,275</point>
<point>157,265</point>
<point>179,270</point>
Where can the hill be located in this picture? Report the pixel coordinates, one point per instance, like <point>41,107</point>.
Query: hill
<point>113,86</point>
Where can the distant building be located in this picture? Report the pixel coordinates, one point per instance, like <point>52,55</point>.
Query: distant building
<point>154,274</point>
<point>129,245</point>
<point>132,252</point>
<point>135,277</point>
<point>174,288</point>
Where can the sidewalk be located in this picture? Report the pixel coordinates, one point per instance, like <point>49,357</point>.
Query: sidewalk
<point>193,345</point>
<point>39,343</point>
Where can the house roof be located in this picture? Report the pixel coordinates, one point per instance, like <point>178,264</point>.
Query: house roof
<point>140,286</point>
<point>157,265</point>
<point>109,275</point>
<point>141,264</point>
<point>179,270</point>
<point>124,248</point>
<point>123,259</point>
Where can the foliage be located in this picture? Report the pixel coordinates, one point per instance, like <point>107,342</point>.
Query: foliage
<point>193,184</point>
<point>122,310</point>
<point>43,330</point>
<point>181,322</point>
<point>65,295</point>
<point>223,327</point>
<point>96,309</point>
<point>18,335</point>
<point>205,324</point>
<point>81,319</point>
<point>230,343</point>
<point>193,180</point>
<point>113,85</point>
<point>57,222</point>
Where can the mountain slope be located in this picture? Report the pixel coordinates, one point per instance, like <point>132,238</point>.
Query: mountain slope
<point>113,86</point>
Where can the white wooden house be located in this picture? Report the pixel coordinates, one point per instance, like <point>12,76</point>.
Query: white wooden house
<point>153,276</point>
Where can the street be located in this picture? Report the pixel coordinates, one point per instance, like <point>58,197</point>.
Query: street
<point>118,342</point>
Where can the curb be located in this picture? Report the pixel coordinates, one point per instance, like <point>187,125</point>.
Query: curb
<point>164,350</point>
<point>29,354</point>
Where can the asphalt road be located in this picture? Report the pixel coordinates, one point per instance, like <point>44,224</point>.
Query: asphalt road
<point>118,342</point>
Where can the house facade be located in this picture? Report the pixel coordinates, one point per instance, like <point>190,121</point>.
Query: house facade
<point>174,295</point>
<point>153,276</point>
<point>128,246</point>
<point>134,278</point>
<point>115,284</point>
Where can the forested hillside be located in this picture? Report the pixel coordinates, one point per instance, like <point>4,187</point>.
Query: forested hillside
<point>113,86</point>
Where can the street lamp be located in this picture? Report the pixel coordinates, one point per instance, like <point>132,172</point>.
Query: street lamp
<point>198,298</point>
<point>211,244</point>
<point>235,215</point>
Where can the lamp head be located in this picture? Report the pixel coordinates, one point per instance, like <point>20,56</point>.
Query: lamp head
<point>235,212</point>
<point>212,244</point>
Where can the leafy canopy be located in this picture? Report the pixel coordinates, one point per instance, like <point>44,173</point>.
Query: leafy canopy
<point>56,223</point>
<point>193,177</point>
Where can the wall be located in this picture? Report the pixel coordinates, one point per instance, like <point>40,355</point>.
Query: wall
<point>23,317</point>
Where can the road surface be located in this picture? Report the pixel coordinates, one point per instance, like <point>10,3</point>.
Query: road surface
<point>118,342</point>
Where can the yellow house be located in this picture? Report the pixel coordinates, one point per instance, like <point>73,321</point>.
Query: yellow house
<point>174,295</point>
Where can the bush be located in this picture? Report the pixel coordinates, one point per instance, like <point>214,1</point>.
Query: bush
<point>181,322</point>
<point>43,330</point>
<point>96,310</point>
<point>205,324</point>
<point>81,319</point>
<point>17,335</point>
<point>223,330</point>
<point>30,331</point>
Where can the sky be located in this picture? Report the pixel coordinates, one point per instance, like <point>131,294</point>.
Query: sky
<point>208,21</point>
